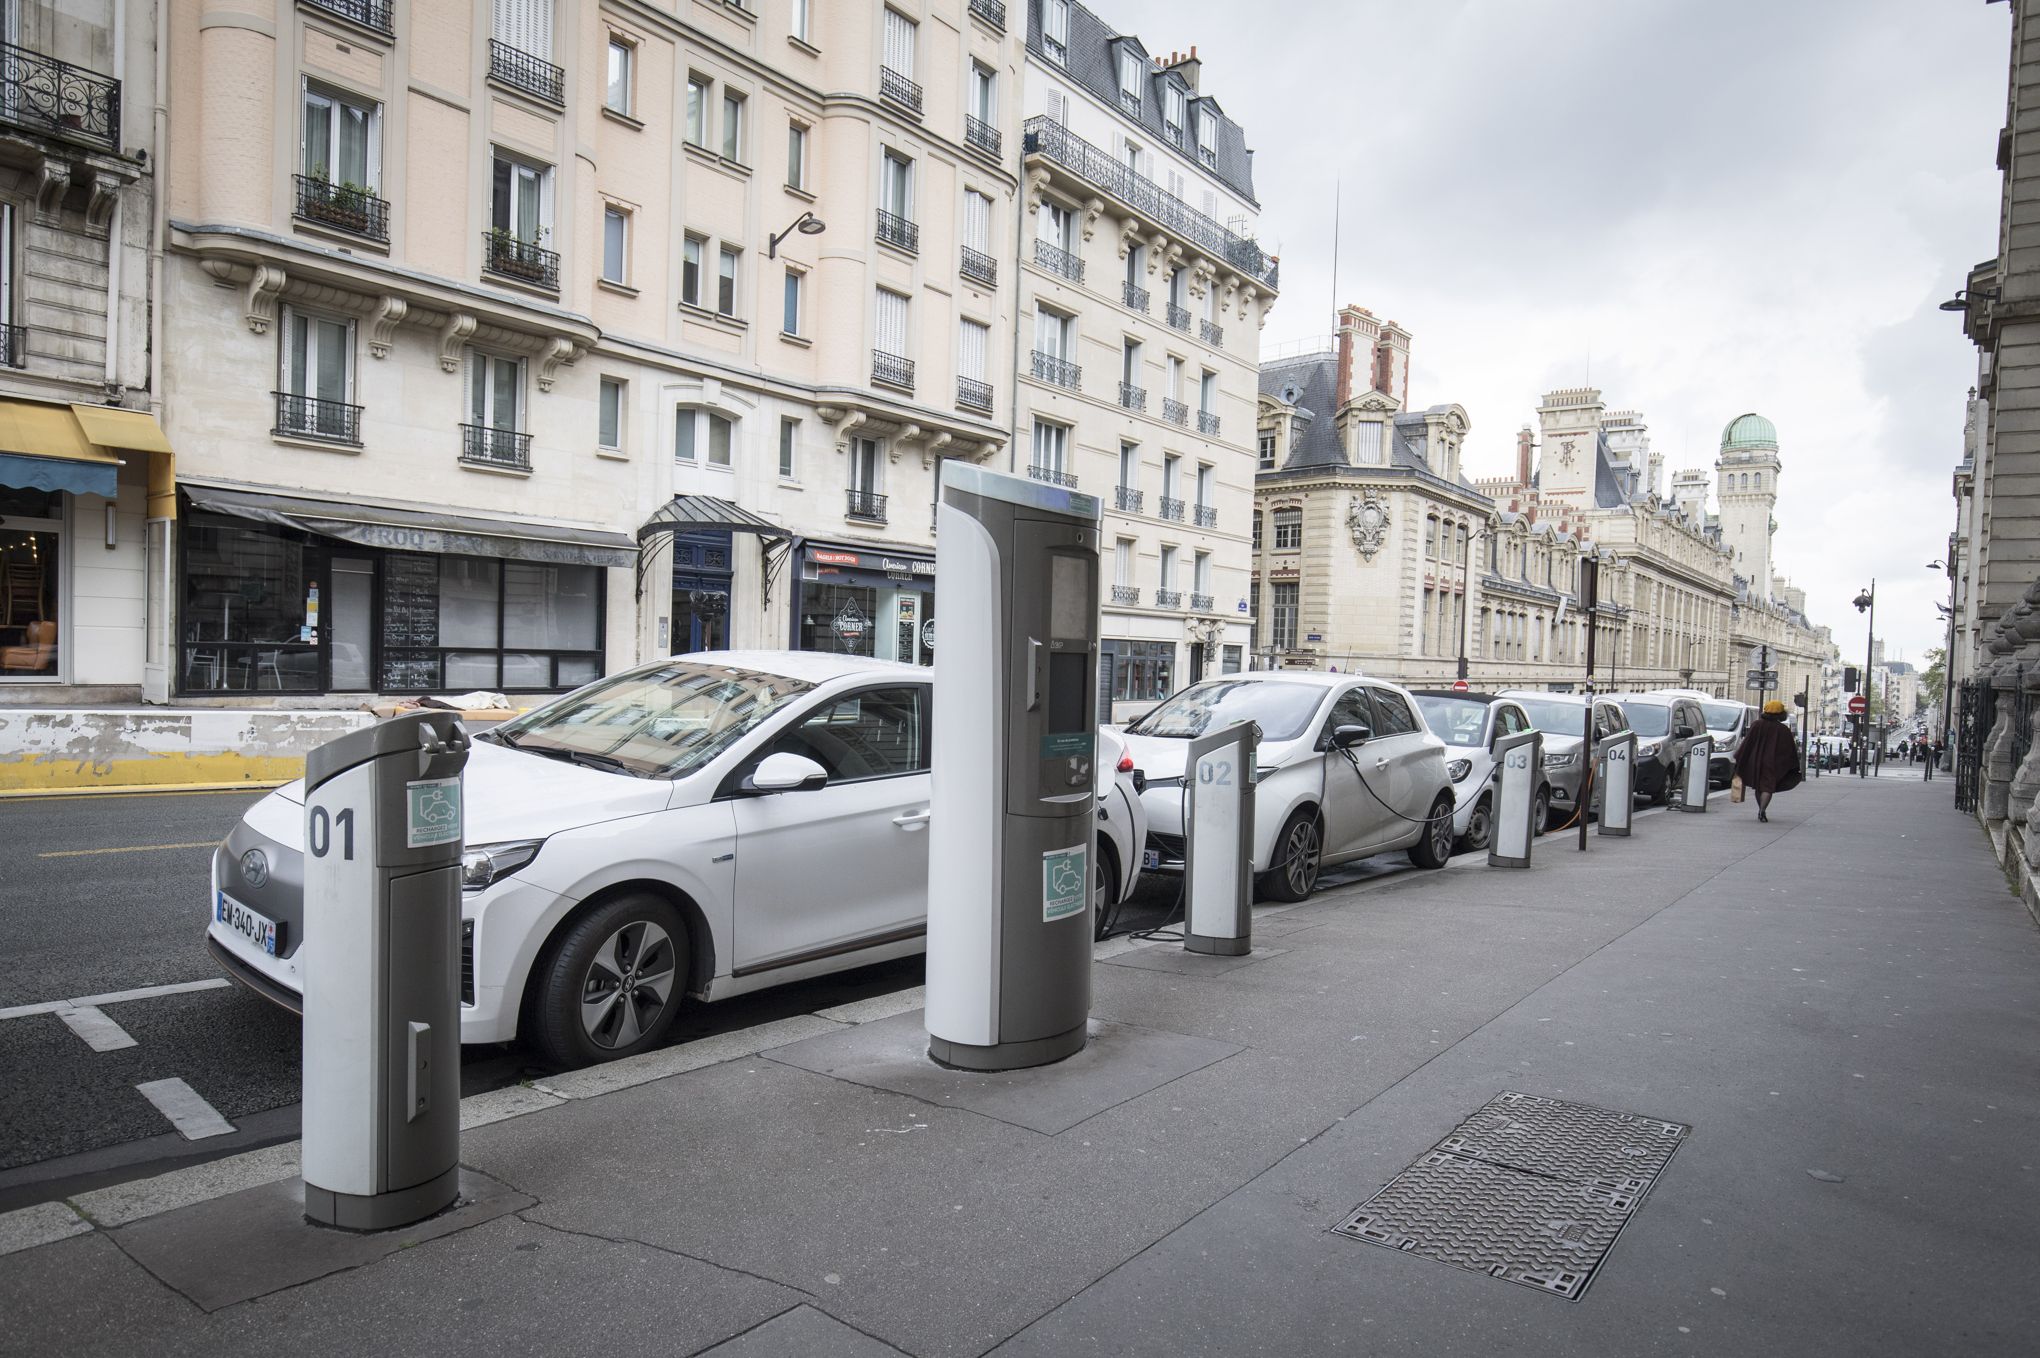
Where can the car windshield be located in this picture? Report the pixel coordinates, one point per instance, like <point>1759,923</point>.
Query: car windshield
<point>1283,710</point>
<point>1456,721</point>
<point>1648,719</point>
<point>663,722</point>
<point>1555,718</point>
<point>1722,716</point>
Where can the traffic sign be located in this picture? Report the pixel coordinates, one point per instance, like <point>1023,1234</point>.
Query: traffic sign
<point>1459,686</point>
<point>1763,680</point>
<point>1858,704</point>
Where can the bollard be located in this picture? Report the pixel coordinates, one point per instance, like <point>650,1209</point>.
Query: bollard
<point>382,973</point>
<point>1694,793</point>
<point>1218,850</point>
<point>1519,764</point>
<point>1618,783</point>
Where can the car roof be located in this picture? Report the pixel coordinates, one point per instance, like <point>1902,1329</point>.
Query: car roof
<point>815,667</point>
<point>1457,693</point>
<point>1579,698</point>
<point>1656,699</point>
<point>1322,678</point>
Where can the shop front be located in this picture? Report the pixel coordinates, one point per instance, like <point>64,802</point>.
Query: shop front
<point>855,600</point>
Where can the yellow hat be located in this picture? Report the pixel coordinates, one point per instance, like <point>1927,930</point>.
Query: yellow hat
<point>1774,708</point>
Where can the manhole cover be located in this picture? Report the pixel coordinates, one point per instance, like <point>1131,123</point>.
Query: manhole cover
<point>1528,1189</point>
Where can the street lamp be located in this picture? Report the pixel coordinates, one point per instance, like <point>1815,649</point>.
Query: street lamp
<point>1466,594</point>
<point>807,224</point>
<point>1947,654</point>
<point>1866,602</point>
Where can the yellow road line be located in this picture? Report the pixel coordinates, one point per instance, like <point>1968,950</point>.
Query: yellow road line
<point>128,848</point>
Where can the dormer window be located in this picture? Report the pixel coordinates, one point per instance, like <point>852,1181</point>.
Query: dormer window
<point>1055,29</point>
<point>1207,138</point>
<point>1129,79</point>
<point>1175,110</point>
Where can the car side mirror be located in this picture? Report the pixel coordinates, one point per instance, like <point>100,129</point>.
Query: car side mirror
<point>1346,737</point>
<point>786,772</point>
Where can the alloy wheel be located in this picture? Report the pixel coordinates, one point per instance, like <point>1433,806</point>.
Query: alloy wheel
<point>628,985</point>
<point>1300,865</point>
<point>1441,834</point>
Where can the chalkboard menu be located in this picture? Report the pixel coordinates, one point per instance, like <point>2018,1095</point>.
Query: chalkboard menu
<point>410,622</point>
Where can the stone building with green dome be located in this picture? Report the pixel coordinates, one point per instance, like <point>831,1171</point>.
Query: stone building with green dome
<point>1747,489</point>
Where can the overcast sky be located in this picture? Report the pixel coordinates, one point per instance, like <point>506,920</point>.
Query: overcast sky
<point>1719,205</point>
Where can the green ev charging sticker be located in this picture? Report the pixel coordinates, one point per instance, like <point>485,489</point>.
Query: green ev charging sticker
<point>432,813</point>
<point>1063,879</point>
<point>1066,745</point>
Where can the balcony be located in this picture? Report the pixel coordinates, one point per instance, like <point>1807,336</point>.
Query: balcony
<point>992,12</point>
<point>1174,411</point>
<point>1179,318</point>
<point>1209,156</point>
<point>898,232</point>
<point>1213,335</point>
<point>1207,423</point>
<point>483,445</point>
<point>981,134</point>
<point>1053,141</point>
<point>1172,508</point>
<point>343,207</point>
<point>1059,371</point>
<point>526,261</point>
<point>373,14</point>
<point>1053,476</point>
<point>1135,298</point>
<point>1129,103</point>
<point>979,267</point>
<point>895,88</point>
<point>1057,260</point>
<point>1168,598</point>
<point>1126,594</point>
<point>14,345</point>
<point>1126,499</point>
<point>866,505</point>
<point>1201,603</point>
<point>308,417</point>
<point>890,370</point>
<point>54,96</point>
<point>1132,397</point>
<point>972,394</point>
<point>1205,516</point>
<point>532,75</point>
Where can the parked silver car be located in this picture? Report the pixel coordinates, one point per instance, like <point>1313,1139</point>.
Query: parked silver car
<point>1727,721</point>
<point>1562,719</point>
<point>1470,724</point>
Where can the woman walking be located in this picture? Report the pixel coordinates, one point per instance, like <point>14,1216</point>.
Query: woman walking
<point>1768,759</point>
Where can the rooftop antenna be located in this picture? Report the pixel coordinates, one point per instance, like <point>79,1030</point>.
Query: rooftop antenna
<point>1336,186</point>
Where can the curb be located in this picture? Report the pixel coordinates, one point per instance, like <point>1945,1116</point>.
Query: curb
<point>137,789</point>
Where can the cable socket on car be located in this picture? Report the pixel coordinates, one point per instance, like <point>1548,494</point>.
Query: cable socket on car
<point>482,865</point>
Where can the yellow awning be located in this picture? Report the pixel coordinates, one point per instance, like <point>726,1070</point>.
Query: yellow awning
<point>35,429</point>
<point>95,435</point>
<point>110,428</point>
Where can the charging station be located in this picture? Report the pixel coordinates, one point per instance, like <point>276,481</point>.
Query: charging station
<point>1013,840</point>
<point>383,835</point>
<point>1519,764</point>
<point>1618,783</point>
<point>1693,792</point>
<point>1218,852</point>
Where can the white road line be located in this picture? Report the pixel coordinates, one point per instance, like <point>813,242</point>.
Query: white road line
<point>193,1117</point>
<point>114,997</point>
<point>101,1033</point>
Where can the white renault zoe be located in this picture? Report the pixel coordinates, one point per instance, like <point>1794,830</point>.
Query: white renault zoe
<point>704,825</point>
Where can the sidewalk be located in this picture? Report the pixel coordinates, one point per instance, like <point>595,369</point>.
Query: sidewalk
<point>1842,1006</point>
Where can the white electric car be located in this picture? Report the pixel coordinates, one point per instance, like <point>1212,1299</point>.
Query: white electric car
<point>1470,723</point>
<point>1345,770</point>
<point>705,825</point>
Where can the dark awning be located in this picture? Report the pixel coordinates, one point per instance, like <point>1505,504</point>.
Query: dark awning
<point>421,530</point>
<point>707,514</point>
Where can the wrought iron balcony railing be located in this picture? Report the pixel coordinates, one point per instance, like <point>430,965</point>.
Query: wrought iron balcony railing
<point>972,394</point>
<point>1126,499</point>
<point>1168,598</point>
<point>979,267</point>
<point>535,76</point>
<point>14,345</point>
<point>1172,508</point>
<point>308,417</point>
<point>992,12</point>
<point>898,232</point>
<point>373,14</point>
<point>1179,317</point>
<point>896,88</point>
<point>344,207</point>
<point>1130,102</point>
<point>891,370</point>
<point>1211,334</point>
<point>1201,603</point>
<point>1057,260</point>
<point>865,504</point>
<point>55,96</point>
<point>1053,476</point>
<point>1207,423</point>
<point>1126,594</point>
<point>487,446</point>
<point>1060,371</point>
<point>1205,516</point>
<point>526,261</point>
<point>1174,411</point>
<point>1209,155</point>
<point>1136,298</point>
<point>1132,397</point>
<point>1051,139</point>
<point>984,136</point>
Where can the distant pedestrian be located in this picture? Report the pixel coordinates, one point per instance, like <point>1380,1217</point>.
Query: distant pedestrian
<point>1768,760</point>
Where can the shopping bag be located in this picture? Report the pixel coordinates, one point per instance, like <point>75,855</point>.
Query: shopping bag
<point>1736,788</point>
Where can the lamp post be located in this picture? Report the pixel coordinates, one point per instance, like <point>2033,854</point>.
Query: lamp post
<point>1466,594</point>
<point>1947,654</point>
<point>807,224</point>
<point>1866,602</point>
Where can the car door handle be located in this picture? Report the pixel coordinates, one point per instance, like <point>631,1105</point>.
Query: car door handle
<point>1381,763</point>
<point>913,820</point>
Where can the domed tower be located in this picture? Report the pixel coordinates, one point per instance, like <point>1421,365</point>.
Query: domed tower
<point>1748,493</point>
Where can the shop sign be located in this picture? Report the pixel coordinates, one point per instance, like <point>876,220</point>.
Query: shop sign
<point>850,621</point>
<point>928,635</point>
<point>834,558</point>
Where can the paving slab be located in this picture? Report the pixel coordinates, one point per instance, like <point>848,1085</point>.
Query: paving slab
<point>806,1332</point>
<point>1173,957</point>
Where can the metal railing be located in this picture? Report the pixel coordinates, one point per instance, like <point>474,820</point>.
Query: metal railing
<point>1127,500</point>
<point>1132,397</point>
<point>891,370</point>
<point>992,12</point>
<point>1130,101</point>
<point>1205,516</point>
<point>984,136</point>
<point>1209,155</point>
<point>1179,317</point>
<point>487,446</point>
<point>520,70</point>
<point>1048,138</point>
<point>1126,594</point>
<point>898,232</point>
<point>979,267</point>
<point>1976,711</point>
<point>1172,508</point>
<point>14,345</point>
<point>1057,260</point>
<point>1060,371</point>
<point>1200,603</point>
<point>312,418</point>
<point>373,14</point>
<point>1174,411</point>
<point>972,394</point>
<point>1168,598</point>
<point>865,504</point>
<point>526,261</point>
<point>1207,423</point>
<point>1213,335</point>
<point>55,96</point>
<point>900,90</point>
<point>344,207</point>
<point>1136,298</point>
<point>1052,476</point>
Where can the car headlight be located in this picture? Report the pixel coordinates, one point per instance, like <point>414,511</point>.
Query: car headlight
<point>1563,759</point>
<point>1458,769</point>
<point>1648,749</point>
<point>482,865</point>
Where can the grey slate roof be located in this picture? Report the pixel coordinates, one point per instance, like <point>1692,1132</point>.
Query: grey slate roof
<point>1094,64</point>
<point>1316,377</point>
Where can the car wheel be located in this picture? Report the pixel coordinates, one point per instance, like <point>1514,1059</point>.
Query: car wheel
<point>1540,812</point>
<point>1663,795</point>
<point>1480,826</point>
<point>1104,893</point>
<point>611,984</point>
<point>1299,852</point>
<point>1434,849</point>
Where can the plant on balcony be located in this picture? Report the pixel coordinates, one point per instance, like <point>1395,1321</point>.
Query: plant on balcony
<point>511,254</point>
<point>347,205</point>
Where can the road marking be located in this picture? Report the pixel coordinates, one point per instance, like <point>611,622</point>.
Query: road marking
<point>114,997</point>
<point>101,1033</point>
<point>129,848</point>
<point>193,1117</point>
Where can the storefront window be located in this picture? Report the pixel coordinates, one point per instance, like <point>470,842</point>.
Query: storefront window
<point>868,603</point>
<point>837,618</point>
<point>250,609</point>
<point>31,524</point>
<point>1137,671</point>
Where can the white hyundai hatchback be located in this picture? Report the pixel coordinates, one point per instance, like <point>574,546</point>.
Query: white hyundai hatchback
<point>704,825</point>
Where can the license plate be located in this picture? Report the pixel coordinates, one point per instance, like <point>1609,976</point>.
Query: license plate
<point>1150,859</point>
<point>258,929</point>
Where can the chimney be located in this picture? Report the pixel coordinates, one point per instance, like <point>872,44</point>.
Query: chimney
<point>1187,67</point>
<point>1523,447</point>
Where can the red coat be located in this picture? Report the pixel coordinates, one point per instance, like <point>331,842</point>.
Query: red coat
<point>1768,759</point>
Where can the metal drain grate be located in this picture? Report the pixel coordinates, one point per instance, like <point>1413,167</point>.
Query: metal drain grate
<point>1528,1189</point>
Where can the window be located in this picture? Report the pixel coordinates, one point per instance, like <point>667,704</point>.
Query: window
<point>1168,576</point>
<point>1282,615</point>
<point>1257,530</point>
<point>495,390</point>
<point>864,466</point>
<point>1129,363</point>
<point>1174,104</point>
<point>1267,450</point>
<point>318,378</point>
<point>875,733</point>
<point>1170,464</point>
<point>726,281</point>
<point>1051,446</point>
<point>615,237</point>
<point>521,204</point>
<point>1129,465</point>
<point>342,139</point>
<point>796,156</point>
<point>1288,530</point>
<point>984,94</point>
<point>891,318</point>
<point>1431,537</point>
<point>609,415</point>
<point>977,221</point>
<point>1177,279</point>
<point>1055,28</point>
<point>789,320</point>
<point>1207,392</point>
<point>691,251</point>
<point>697,111</point>
<point>899,44</point>
<point>1204,486</point>
<point>1054,334</point>
<point>1054,223</point>
<point>1130,73</point>
<point>733,127</point>
<point>1122,562</point>
<point>525,25</point>
<point>1392,716</point>
<point>1175,378</point>
<point>616,97</point>
<point>1207,137</point>
<point>789,435</point>
<point>1200,574</point>
<point>896,184</point>
<point>973,347</point>
<point>691,439</point>
<point>798,27</point>
<point>1136,671</point>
